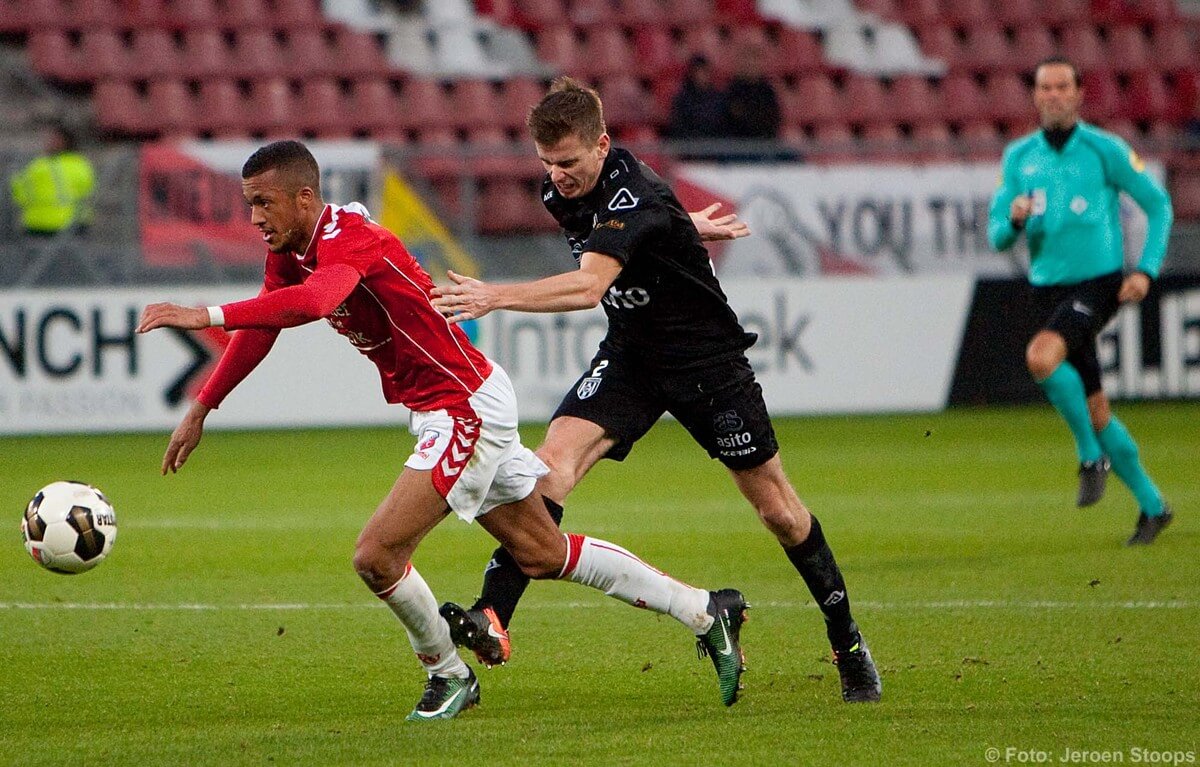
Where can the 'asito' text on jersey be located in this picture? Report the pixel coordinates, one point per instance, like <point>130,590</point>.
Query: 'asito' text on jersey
<point>666,305</point>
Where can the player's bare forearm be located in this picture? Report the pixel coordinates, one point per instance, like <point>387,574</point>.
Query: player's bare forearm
<point>172,316</point>
<point>185,437</point>
<point>469,298</point>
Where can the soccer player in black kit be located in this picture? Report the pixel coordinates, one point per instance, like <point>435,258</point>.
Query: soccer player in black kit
<point>673,345</point>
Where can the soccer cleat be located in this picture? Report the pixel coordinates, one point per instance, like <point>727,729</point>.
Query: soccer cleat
<point>860,679</point>
<point>722,641</point>
<point>1148,527</point>
<point>1093,476</point>
<point>445,697</point>
<point>480,632</point>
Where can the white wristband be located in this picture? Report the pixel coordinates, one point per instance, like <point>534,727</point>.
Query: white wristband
<point>216,317</point>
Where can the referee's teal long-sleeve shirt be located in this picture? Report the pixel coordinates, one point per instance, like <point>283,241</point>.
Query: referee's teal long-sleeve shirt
<point>1074,228</point>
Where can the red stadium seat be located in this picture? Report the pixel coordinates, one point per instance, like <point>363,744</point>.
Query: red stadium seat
<point>423,104</point>
<point>155,54</point>
<point>911,99</point>
<point>1127,50</point>
<point>752,39</point>
<point>1122,127</point>
<point>800,51</point>
<point>1032,44</point>
<point>834,143</point>
<point>440,158</point>
<point>558,47</point>
<point>323,109</point>
<point>1173,49</point>
<point>815,102</point>
<point>509,206</point>
<point>171,108</point>
<point>21,16</point>
<point>143,14</point>
<point>1081,44</point>
<point>641,12</point>
<point>247,13</point>
<point>198,14</point>
<point>518,95</point>
<point>987,49</point>
<point>961,98</point>
<point>931,142</point>
<point>606,51</point>
<point>1017,13</point>
<point>1065,11</point>
<point>589,13</point>
<point>864,100</point>
<point>923,13</point>
<point>969,13</point>
<point>940,42</point>
<point>705,40</point>
<point>374,107</point>
<point>538,14</point>
<point>257,53</point>
<point>272,107</point>
<point>1147,98</point>
<point>296,13</point>
<point>104,55</point>
<point>220,110</point>
<point>626,102</point>
<point>474,104</point>
<point>118,108</point>
<point>90,14</point>
<point>654,51</point>
<point>51,54</point>
<point>1101,95</point>
<point>205,53</point>
<point>1008,100</point>
<point>358,54</point>
<point>309,51</point>
<point>737,11</point>
<point>691,11</point>
<point>981,141</point>
<point>495,155</point>
<point>883,142</point>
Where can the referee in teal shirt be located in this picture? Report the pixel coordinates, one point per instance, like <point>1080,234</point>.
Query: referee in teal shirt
<point>1060,186</point>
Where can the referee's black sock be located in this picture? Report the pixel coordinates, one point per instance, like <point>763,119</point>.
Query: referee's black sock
<point>816,565</point>
<point>503,581</point>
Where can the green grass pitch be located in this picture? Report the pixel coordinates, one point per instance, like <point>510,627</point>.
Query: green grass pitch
<point>227,626</point>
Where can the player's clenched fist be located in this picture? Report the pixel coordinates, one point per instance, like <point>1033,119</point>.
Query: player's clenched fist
<point>172,316</point>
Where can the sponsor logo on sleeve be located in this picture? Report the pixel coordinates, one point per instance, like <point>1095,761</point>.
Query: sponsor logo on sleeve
<point>623,200</point>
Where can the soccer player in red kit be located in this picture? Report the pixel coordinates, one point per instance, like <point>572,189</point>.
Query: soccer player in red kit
<point>333,262</point>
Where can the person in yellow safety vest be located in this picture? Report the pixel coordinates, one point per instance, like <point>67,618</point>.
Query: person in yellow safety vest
<point>54,191</point>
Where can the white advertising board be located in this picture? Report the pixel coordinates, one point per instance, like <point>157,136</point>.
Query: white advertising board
<point>70,361</point>
<point>869,219</point>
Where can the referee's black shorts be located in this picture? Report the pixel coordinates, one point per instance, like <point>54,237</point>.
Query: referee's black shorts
<point>721,405</point>
<point>1078,313</point>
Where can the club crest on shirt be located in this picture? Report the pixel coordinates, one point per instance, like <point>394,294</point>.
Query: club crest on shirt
<point>587,387</point>
<point>623,200</point>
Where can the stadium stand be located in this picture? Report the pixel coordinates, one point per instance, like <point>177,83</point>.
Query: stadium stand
<point>881,79</point>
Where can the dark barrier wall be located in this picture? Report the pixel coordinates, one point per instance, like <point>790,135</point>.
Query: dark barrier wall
<point>991,364</point>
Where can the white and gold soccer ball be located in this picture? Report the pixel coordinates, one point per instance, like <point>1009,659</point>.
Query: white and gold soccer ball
<point>69,527</point>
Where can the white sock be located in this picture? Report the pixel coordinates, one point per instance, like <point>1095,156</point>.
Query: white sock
<point>618,573</point>
<point>413,603</point>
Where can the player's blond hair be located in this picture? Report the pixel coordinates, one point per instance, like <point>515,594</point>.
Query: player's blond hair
<point>569,107</point>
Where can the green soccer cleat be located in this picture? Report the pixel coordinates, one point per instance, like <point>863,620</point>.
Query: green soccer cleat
<point>445,697</point>
<point>860,679</point>
<point>722,641</point>
<point>480,631</point>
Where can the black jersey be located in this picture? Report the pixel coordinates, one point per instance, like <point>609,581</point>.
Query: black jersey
<point>666,306</point>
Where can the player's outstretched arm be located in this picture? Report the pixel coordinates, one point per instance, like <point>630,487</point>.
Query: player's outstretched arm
<point>469,298</point>
<point>725,227</point>
<point>172,316</point>
<point>185,438</point>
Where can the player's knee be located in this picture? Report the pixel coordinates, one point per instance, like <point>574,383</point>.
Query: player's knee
<point>1040,363</point>
<point>376,568</point>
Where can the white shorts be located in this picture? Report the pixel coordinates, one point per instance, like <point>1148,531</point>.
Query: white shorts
<point>477,463</point>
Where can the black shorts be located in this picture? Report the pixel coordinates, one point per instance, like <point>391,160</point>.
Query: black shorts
<point>1078,313</point>
<point>721,406</point>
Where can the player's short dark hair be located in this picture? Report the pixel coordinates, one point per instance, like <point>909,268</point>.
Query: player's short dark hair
<point>291,158</point>
<point>569,107</point>
<point>1060,61</point>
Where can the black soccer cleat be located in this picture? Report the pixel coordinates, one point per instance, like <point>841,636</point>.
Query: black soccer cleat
<point>1093,476</point>
<point>860,679</point>
<point>480,631</point>
<point>1148,527</point>
<point>722,641</point>
<point>445,697</point>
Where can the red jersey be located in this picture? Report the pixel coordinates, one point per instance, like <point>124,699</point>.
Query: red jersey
<point>424,362</point>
